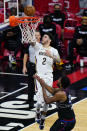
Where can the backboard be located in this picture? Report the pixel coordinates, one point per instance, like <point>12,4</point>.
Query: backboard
<point>7,8</point>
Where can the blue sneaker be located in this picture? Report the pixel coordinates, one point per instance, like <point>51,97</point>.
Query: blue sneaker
<point>38,117</point>
<point>41,126</point>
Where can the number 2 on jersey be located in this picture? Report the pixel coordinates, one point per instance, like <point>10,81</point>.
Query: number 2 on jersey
<point>44,61</point>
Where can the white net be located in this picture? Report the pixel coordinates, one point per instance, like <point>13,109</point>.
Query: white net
<point>28,31</point>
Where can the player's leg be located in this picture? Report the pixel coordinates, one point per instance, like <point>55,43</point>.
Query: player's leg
<point>49,81</point>
<point>31,84</point>
<point>63,126</point>
<point>40,100</point>
<point>43,116</point>
<point>56,126</point>
<point>68,126</point>
<point>38,113</point>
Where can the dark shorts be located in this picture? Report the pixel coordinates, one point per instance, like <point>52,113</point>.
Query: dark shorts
<point>31,68</point>
<point>63,125</point>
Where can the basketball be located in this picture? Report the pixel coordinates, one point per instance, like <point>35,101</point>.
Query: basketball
<point>29,10</point>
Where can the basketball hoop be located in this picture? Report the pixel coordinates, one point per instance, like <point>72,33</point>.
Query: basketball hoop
<point>27,25</point>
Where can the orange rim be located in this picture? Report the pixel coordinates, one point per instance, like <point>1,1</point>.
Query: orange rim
<point>14,21</point>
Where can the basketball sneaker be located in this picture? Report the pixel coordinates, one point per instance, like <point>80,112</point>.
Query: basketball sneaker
<point>41,126</point>
<point>38,117</point>
<point>12,59</point>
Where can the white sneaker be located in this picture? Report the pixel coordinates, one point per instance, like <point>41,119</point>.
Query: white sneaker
<point>12,59</point>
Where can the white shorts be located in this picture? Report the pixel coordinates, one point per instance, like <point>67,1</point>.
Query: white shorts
<point>39,95</point>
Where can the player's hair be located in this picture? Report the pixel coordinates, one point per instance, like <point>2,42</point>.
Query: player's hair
<point>50,36</point>
<point>65,81</point>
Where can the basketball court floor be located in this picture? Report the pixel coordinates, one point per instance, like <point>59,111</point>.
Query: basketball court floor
<point>14,112</point>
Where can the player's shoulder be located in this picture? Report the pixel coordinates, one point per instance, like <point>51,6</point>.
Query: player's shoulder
<point>61,93</point>
<point>53,49</point>
<point>38,45</point>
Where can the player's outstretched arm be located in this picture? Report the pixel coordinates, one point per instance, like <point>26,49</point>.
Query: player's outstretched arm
<point>59,96</point>
<point>43,84</point>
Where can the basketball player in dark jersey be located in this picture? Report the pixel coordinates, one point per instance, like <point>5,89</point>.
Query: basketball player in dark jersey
<point>66,117</point>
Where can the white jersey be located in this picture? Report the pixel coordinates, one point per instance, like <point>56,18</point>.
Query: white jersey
<point>44,63</point>
<point>31,54</point>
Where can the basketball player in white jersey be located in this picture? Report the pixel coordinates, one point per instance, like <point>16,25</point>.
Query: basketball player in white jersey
<point>45,57</point>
